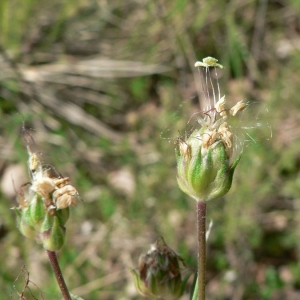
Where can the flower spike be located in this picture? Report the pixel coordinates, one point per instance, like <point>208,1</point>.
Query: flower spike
<point>205,158</point>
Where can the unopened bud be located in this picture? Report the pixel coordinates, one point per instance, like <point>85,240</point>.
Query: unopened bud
<point>159,273</point>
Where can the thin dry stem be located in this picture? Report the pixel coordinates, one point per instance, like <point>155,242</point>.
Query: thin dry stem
<point>58,275</point>
<point>201,230</point>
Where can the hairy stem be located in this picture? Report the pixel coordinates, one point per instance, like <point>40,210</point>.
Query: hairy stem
<point>201,230</point>
<point>58,274</point>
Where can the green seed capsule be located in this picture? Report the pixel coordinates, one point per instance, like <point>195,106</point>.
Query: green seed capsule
<point>53,238</point>
<point>203,173</point>
<point>26,229</point>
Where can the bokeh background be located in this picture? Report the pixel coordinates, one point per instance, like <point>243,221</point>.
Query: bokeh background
<point>104,87</point>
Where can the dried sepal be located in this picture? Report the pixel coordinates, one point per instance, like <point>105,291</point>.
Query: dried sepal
<point>65,197</point>
<point>237,107</point>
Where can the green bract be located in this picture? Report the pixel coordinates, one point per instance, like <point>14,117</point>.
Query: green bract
<point>204,175</point>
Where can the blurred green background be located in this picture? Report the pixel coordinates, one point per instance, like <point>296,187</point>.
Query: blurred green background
<point>105,87</point>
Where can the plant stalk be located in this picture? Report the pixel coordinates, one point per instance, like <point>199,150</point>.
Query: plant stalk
<point>201,231</point>
<point>58,274</point>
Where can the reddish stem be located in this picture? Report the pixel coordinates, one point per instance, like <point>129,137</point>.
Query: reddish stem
<point>201,230</point>
<point>58,274</point>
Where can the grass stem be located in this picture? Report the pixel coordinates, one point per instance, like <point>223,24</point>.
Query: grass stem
<point>58,274</point>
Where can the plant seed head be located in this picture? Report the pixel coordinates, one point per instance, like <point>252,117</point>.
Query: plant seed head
<point>204,158</point>
<point>44,210</point>
<point>159,273</point>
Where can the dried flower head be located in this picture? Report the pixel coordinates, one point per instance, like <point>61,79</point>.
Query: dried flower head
<point>57,192</point>
<point>204,158</point>
<point>44,210</point>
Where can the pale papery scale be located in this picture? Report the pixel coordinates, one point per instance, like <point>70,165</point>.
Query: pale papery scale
<point>57,193</point>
